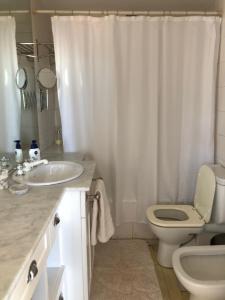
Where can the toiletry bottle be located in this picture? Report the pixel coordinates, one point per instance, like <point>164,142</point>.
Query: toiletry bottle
<point>58,139</point>
<point>34,152</point>
<point>18,152</point>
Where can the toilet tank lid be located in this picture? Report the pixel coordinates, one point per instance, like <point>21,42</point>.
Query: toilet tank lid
<point>219,172</point>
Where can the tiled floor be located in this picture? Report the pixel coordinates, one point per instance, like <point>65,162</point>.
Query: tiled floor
<point>124,270</point>
<point>167,280</point>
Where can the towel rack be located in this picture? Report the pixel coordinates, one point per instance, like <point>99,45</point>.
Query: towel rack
<point>97,195</point>
<point>93,197</point>
<point>97,178</point>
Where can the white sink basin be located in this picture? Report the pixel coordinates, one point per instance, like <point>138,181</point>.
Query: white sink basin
<point>53,173</point>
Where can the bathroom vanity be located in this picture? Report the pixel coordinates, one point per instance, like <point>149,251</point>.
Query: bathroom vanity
<point>45,250</point>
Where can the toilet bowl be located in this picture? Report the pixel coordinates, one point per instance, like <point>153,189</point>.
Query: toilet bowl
<point>201,270</point>
<point>175,225</point>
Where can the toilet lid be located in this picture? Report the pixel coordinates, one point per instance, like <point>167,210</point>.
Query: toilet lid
<point>205,191</point>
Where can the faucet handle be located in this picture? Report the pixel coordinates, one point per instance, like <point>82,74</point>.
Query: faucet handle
<point>19,170</point>
<point>27,166</point>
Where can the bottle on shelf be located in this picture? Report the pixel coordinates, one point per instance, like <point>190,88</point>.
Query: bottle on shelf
<point>18,152</point>
<point>34,152</point>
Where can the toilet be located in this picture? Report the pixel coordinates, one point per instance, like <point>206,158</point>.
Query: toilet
<point>175,225</point>
<point>201,270</point>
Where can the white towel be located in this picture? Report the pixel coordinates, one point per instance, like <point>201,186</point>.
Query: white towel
<point>102,227</point>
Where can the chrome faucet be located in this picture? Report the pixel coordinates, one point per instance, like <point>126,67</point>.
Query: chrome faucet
<point>27,166</point>
<point>22,169</point>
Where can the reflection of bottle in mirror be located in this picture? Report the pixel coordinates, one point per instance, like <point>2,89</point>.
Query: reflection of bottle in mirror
<point>58,139</point>
<point>18,152</point>
<point>34,152</point>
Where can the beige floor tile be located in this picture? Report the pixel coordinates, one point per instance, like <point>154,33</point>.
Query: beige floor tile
<point>167,280</point>
<point>124,270</point>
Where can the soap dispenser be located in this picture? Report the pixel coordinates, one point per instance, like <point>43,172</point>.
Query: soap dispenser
<point>18,152</point>
<point>34,152</point>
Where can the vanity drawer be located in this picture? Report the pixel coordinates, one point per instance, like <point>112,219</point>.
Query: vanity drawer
<point>29,277</point>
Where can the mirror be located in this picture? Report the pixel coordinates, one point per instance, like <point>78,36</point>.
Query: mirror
<point>21,78</point>
<point>21,83</point>
<point>46,78</point>
<point>25,81</point>
<point>35,80</point>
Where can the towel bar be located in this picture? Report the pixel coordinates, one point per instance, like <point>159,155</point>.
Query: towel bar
<point>97,195</point>
<point>97,178</point>
<point>93,197</point>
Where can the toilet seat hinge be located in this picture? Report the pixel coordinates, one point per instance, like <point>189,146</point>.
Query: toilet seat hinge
<point>200,217</point>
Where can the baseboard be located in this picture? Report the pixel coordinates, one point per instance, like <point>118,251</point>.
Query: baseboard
<point>132,230</point>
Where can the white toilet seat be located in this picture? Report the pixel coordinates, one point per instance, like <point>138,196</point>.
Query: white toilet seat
<point>193,218</point>
<point>174,225</point>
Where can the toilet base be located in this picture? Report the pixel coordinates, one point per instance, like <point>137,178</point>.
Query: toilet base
<point>165,253</point>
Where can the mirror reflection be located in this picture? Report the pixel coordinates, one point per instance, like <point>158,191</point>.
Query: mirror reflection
<point>31,94</point>
<point>25,81</point>
<point>21,78</point>
<point>46,78</point>
<point>10,112</point>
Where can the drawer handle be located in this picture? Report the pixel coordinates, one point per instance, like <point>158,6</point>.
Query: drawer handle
<point>33,270</point>
<point>56,220</point>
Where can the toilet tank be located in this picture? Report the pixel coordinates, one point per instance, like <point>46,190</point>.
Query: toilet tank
<point>218,211</point>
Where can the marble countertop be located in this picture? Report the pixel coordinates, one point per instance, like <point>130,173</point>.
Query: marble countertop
<point>23,220</point>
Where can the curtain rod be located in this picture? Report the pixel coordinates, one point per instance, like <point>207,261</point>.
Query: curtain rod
<point>128,13</point>
<point>114,12</point>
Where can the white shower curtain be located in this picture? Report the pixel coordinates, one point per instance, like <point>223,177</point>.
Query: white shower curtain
<point>9,96</point>
<point>138,95</point>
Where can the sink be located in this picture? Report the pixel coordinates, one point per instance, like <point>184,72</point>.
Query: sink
<point>54,172</point>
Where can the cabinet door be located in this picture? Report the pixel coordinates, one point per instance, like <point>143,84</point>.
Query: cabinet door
<point>41,292</point>
<point>71,246</point>
<point>89,248</point>
<point>30,276</point>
